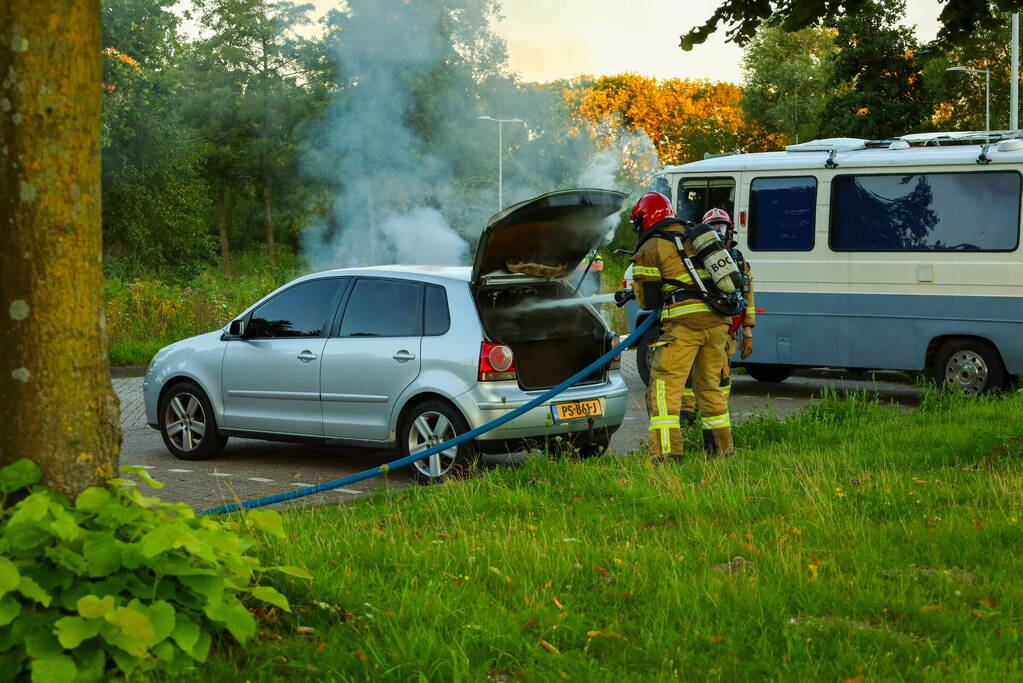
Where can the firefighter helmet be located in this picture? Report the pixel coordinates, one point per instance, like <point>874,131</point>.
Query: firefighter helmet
<point>715,217</point>
<point>653,207</point>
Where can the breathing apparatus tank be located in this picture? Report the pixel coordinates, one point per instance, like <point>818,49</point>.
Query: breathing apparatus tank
<point>711,252</point>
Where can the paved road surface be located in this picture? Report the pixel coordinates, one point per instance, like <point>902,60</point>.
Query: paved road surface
<point>249,468</point>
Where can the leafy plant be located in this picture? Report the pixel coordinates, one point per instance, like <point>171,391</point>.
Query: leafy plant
<point>121,581</point>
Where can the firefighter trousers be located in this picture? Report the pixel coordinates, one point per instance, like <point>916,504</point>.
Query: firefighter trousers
<point>675,353</point>
<point>689,396</point>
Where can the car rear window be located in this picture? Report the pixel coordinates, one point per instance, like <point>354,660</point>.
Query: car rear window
<point>384,308</point>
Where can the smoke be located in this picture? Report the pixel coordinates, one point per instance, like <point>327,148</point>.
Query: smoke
<point>414,170</point>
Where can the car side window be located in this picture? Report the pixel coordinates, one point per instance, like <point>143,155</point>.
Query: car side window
<point>302,311</point>
<point>438,319</point>
<point>384,308</point>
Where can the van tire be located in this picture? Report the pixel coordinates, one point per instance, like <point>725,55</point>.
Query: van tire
<point>762,372</point>
<point>644,354</point>
<point>436,412</point>
<point>972,365</point>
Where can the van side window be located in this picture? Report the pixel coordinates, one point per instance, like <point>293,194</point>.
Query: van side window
<point>698,195</point>
<point>976,211</point>
<point>782,213</point>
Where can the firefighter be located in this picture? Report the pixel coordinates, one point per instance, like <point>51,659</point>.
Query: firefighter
<point>722,222</point>
<point>691,331</point>
<point>590,269</point>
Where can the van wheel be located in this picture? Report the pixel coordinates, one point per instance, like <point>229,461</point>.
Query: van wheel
<point>427,424</point>
<point>768,373</point>
<point>644,354</point>
<point>971,365</point>
<point>187,425</point>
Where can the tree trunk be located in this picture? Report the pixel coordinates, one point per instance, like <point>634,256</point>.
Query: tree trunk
<point>57,406</point>
<point>225,244</point>
<point>268,219</point>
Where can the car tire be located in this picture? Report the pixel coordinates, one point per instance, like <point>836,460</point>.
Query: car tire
<point>972,365</point>
<point>768,373</point>
<point>430,422</point>
<point>644,354</point>
<point>187,423</point>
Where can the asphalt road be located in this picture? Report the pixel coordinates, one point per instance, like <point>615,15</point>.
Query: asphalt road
<point>249,469</point>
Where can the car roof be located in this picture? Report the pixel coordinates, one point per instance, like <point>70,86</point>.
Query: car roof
<point>435,274</point>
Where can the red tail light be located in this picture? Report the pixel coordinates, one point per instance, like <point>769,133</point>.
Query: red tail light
<point>496,362</point>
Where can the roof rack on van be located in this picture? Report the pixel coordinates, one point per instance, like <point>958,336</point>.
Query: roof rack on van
<point>828,145</point>
<point>959,137</point>
<point>708,155</point>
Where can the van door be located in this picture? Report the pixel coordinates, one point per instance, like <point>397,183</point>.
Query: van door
<point>697,195</point>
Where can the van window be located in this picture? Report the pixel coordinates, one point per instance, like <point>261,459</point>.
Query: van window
<point>782,213</point>
<point>976,211</point>
<point>698,195</point>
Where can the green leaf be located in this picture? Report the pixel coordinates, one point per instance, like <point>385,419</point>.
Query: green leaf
<point>92,606</point>
<point>143,474</point>
<point>32,590</point>
<point>133,623</point>
<point>71,631</point>
<point>9,609</point>
<point>63,525</point>
<point>9,576</point>
<point>34,507</point>
<point>91,662</point>
<point>18,475</point>
<point>202,647</point>
<point>160,615</point>
<point>94,499</point>
<point>165,651</point>
<point>39,644</point>
<point>55,669</point>
<point>271,595</point>
<point>235,618</point>
<point>269,520</point>
<point>102,553</point>
<point>186,632</point>
<point>300,572</point>
<point>210,587</point>
<point>162,538</point>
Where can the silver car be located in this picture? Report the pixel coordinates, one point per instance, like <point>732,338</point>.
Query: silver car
<point>406,357</point>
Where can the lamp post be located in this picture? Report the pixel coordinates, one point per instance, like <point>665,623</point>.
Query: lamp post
<point>500,154</point>
<point>987,91</point>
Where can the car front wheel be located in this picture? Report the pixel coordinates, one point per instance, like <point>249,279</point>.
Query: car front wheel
<point>430,423</point>
<point>187,424</point>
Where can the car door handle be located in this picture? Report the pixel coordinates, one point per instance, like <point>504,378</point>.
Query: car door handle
<point>404,355</point>
<point>307,356</point>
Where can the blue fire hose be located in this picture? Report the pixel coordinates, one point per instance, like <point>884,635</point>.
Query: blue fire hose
<point>461,438</point>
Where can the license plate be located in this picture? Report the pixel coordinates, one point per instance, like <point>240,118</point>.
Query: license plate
<point>577,410</point>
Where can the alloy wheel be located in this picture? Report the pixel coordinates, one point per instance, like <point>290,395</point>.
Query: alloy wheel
<point>429,429</point>
<point>185,421</point>
<point>968,370</point>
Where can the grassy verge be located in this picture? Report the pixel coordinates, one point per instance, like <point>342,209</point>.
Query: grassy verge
<point>850,542</point>
<point>145,314</point>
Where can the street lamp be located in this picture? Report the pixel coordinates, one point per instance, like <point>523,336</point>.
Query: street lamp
<point>500,154</point>
<point>987,91</point>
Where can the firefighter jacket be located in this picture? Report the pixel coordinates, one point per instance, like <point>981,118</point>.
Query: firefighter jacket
<point>748,318</point>
<point>658,259</point>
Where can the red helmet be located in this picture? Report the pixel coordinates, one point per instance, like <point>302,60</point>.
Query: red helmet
<point>653,207</point>
<point>717,216</point>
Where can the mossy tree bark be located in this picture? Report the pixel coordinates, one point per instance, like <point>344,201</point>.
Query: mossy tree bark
<point>57,406</point>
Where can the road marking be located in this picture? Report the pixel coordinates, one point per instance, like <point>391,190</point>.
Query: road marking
<point>218,474</point>
<point>353,491</point>
<point>260,479</point>
<point>179,470</point>
<point>298,483</point>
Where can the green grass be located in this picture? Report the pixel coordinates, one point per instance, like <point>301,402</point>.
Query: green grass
<point>873,544</point>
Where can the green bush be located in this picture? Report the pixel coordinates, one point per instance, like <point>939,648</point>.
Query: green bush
<point>119,581</point>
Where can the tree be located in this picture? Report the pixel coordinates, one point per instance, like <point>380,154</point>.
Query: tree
<point>877,80</point>
<point>959,18</point>
<point>786,79</point>
<point>57,405</point>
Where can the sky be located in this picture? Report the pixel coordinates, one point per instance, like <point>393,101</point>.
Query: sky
<point>551,39</point>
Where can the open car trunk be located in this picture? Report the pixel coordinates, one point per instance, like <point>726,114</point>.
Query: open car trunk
<point>550,343</point>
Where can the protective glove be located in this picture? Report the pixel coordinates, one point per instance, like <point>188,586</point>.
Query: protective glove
<point>745,347</point>
<point>622,296</point>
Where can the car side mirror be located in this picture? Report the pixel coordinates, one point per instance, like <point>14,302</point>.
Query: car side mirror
<point>237,328</point>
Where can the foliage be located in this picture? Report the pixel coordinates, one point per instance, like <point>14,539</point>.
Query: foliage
<point>877,82</point>
<point>118,581</point>
<point>683,118</point>
<point>786,79</point>
<point>870,543</point>
<point>959,18</point>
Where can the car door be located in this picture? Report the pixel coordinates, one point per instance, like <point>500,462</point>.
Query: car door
<point>271,377</point>
<point>373,357</point>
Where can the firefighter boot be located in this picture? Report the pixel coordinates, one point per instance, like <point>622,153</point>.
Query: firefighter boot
<point>708,443</point>
<point>721,443</point>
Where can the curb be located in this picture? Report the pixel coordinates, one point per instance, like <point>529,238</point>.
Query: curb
<point>128,371</point>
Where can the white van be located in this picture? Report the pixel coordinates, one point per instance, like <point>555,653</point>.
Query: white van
<point>898,254</point>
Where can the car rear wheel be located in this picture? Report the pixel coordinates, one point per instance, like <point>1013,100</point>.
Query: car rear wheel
<point>187,424</point>
<point>768,373</point>
<point>973,366</point>
<point>428,424</point>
